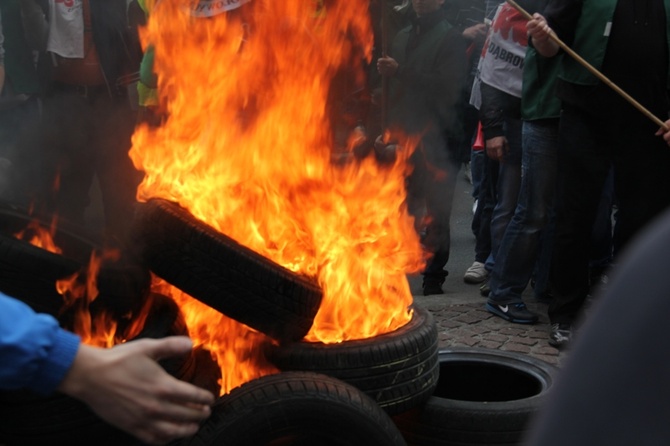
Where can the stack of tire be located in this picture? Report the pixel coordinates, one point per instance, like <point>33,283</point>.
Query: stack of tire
<point>395,388</point>
<point>375,378</point>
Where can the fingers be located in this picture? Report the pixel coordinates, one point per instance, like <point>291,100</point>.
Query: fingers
<point>165,347</point>
<point>164,431</point>
<point>185,393</point>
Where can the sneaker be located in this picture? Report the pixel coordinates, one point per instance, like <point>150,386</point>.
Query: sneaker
<point>476,273</point>
<point>517,312</point>
<point>560,336</point>
<point>485,289</point>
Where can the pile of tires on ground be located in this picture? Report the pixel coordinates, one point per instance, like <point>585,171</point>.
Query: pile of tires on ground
<point>394,389</point>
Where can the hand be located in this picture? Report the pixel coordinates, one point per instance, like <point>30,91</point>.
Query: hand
<point>476,32</point>
<point>496,147</point>
<point>540,32</point>
<point>126,387</point>
<point>387,66</point>
<point>385,151</point>
<point>665,133</point>
<point>538,28</point>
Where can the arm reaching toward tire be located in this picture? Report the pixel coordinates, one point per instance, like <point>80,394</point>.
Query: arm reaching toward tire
<point>126,387</point>
<point>123,385</point>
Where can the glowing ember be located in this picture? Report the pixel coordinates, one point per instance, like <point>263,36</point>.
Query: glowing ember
<point>247,148</point>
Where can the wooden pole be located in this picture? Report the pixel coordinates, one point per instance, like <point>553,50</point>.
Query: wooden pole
<point>594,71</point>
<point>385,80</point>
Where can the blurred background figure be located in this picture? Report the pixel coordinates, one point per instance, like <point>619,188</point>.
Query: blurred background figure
<point>88,119</point>
<point>426,69</point>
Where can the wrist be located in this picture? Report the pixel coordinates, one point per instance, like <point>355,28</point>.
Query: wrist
<point>74,382</point>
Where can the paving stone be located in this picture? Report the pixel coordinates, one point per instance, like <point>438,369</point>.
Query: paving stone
<point>514,347</point>
<point>490,344</point>
<point>523,340</point>
<point>547,350</point>
<point>468,318</point>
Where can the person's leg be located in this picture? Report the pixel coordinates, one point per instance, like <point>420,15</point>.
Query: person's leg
<point>601,236</point>
<point>520,244</point>
<point>583,165</point>
<point>507,187</point>
<point>439,201</point>
<point>117,177</point>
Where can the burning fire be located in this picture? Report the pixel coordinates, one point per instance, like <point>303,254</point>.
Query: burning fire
<point>246,147</point>
<point>80,290</point>
<point>39,236</point>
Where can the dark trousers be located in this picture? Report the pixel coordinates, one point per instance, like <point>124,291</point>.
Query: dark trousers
<point>85,135</point>
<point>588,146</point>
<point>430,195</point>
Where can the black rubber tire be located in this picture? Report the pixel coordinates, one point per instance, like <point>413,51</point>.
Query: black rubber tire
<point>398,370</point>
<point>297,408</point>
<point>29,273</point>
<point>29,419</point>
<point>223,274</point>
<point>75,241</point>
<point>484,397</point>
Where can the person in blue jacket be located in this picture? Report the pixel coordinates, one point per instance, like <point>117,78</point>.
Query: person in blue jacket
<point>123,385</point>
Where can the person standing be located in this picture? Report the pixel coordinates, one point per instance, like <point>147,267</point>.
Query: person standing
<point>526,244</point>
<point>426,70</point>
<point>88,119</point>
<point>626,40</point>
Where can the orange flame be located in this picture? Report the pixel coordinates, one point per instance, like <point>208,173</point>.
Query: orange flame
<point>233,345</point>
<point>246,147</point>
<point>39,236</point>
<point>79,291</point>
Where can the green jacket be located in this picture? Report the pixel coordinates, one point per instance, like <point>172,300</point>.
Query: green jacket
<point>538,96</point>
<point>591,37</point>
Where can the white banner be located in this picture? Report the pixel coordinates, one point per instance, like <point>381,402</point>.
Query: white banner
<point>501,64</point>
<point>210,8</point>
<point>66,28</point>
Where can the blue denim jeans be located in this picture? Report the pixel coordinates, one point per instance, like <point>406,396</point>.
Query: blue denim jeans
<point>525,246</point>
<point>506,187</point>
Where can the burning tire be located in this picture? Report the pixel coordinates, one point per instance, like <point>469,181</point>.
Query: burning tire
<point>223,274</point>
<point>297,408</point>
<point>399,370</point>
<point>29,273</point>
<point>484,397</point>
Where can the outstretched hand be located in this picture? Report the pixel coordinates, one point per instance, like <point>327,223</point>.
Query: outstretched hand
<point>126,387</point>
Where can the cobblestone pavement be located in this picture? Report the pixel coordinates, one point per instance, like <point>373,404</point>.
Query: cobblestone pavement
<point>462,321</point>
<point>470,325</point>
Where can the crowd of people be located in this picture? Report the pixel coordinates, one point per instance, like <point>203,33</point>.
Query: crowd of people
<point>568,170</point>
<point>565,170</point>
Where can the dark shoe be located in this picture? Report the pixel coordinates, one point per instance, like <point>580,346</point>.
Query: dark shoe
<point>517,312</point>
<point>560,336</point>
<point>432,282</point>
<point>432,285</point>
<point>485,289</point>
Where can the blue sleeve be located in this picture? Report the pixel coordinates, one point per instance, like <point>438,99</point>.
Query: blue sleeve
<point>35,353</point>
